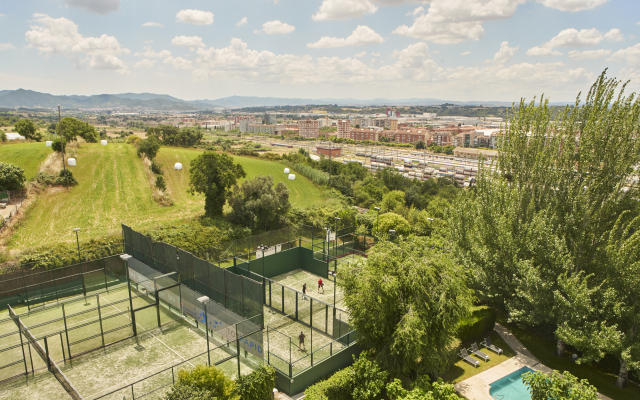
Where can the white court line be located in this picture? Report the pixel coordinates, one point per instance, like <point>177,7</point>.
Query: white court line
<point>165,345</point>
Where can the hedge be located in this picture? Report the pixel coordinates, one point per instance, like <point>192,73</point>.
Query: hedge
<point>480,323</point>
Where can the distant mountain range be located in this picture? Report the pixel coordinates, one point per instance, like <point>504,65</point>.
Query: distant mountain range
<point>31,99</point>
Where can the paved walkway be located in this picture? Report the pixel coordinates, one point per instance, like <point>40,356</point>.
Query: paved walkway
<point>477,387</point>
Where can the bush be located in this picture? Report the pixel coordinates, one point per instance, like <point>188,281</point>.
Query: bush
<point>203,382</point>
<point>3,137</point>
<point>258,385</point>
<point>133,139</point>
<point>478,325</point>
<point>149,147</point>
<point>56,145</point>
<point>11,177</point>
<point>393,221</point>
<point>160,184</point>
<point>65,178</point>
<point>156,168</point>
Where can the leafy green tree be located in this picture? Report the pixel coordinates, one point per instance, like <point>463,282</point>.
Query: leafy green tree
<point>406,302</point>
<point>258,385</point>
<point>392,201</point>
<point>11,177</point>
<point>72,128</point>
<point>558,386</point>
<point>3,137</point>
<point>420,145</point>
<point>149,147</point>
<point>173,136</point>
<point>213,175</point>
<point>28,129</point>
<point>204,383</point>
<point>534,231</point>
<point>422,389</point>
<point>393,221</point>
<point>259,204</point>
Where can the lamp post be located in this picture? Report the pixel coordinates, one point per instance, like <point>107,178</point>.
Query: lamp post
<point>392,232</point>
<point>204,300</point>
<point>377,218</point>
<point>335,245</point>
<point>430,225</point>
<point>76,230</point>
<point>263,248</point>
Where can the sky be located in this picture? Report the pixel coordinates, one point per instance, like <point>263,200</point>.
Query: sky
<point>463,50</point>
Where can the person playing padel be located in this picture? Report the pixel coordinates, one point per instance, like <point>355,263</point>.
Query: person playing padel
<point>320,285</point>
<point>301,342</point>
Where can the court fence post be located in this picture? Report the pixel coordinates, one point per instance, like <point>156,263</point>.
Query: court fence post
<point>104,272</point>
<point>238,352</point>
<point>64,358</point>
<point>311,312</point>
<point>100,318</point>
<point>326,319</point>
<point>296,304</point>
<point>282,286</point>
<point>66,331</point>
<point>46,351</point>
<point>269,292</point>
<point>24,357</point>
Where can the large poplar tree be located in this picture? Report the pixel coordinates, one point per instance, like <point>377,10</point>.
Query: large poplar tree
<point>534,231</point>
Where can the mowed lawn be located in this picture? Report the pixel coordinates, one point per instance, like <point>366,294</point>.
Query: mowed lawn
<point>27,156</point>
<point>113,189</point>
<point>303,192</point>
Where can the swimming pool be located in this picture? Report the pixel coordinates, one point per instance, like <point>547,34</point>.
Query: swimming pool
<point>511,386</point>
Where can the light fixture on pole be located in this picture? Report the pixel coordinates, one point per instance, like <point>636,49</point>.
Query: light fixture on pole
<point>204,300</point>
<point>263,248</point>
<point>392,232</point>
<point>76,230</point>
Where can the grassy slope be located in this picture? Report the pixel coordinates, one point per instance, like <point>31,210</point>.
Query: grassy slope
<point>113,189</point>
<point>544,350</point>
<point>303,192</point>
<point>27,156</point>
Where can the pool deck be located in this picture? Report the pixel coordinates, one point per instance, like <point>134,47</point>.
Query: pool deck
<point>477,387</point>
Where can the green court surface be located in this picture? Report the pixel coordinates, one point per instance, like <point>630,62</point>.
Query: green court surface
<point>42,386</point>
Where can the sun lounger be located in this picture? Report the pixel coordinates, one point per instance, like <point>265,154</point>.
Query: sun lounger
<point>474,350</point>
<point>465,356</point>
<point>488,345</point>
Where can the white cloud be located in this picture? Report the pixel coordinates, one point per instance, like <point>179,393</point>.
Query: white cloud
<point>192,42</point>
<point>543,51</point>
<point>158,24</point>
<point>505,54</point>
<point>454,21</point>
<point>179,62</point>
<point>360,36</point>
<point>257,31</point>
<point>614,35</point>
<point>277,27</point>
<point>196,17</point>
<point>465,53</point>
<point>574,38</point>
<point>6,46</point>
<point>61,36</point>
<point>102,7</point>
<point>376,54</point>
<point>149,53</point>
<point>242,22</point>
<point>573,5</point>
<point>588,54</point>
<point>1,15</point>
<point>343,9</point>
<point>630,55</point>
<point>146,63</point>
<point>361,54</point>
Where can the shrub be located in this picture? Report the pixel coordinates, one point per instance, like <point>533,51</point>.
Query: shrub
<point>3,137</point>
<point>393,221</point>
<point>480,323</point>
<point>156,167</point>
<point>160,184</point>
<point>11,177</point>
<point>65,178</point>
<point>56,145</point>
<point>203,381</point>
<point>258,385</point>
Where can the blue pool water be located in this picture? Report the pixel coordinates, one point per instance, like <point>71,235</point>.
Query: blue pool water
<point>511,386</point>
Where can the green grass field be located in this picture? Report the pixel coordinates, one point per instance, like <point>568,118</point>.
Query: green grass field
<point>27,156</point>
<point>113,189</point>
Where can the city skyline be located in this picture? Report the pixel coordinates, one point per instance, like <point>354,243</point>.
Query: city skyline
<point>491,50</point>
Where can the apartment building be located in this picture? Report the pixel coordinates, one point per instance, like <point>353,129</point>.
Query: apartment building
<point>409,135</point>
<point>391,124</point>
<point>309,128</point>
<point>344,128</point>
<point>262,128</point>
<point>364,134</point>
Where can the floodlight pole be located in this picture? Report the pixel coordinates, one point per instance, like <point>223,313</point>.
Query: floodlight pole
<point>204,300</point>
<point>264,292</point>
<point>77,241</point>
<point>335,242</point>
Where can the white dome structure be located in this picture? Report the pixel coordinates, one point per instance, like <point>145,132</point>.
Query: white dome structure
<point>103,142</point>
<point>71,162</point>
<point>286,170</point>
<point>48,143</point>
<point>178,166</point>
<point>292,177</point>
